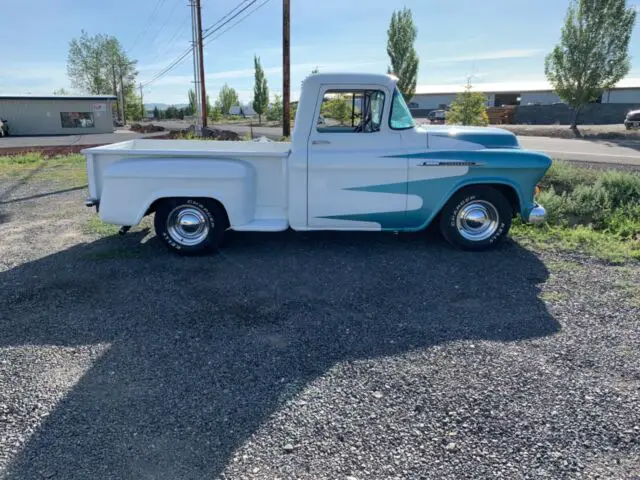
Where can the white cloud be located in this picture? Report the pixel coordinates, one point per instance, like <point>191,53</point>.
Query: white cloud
<point>34,79</point>
<point>492,55</point>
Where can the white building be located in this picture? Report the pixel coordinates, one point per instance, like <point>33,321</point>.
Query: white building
<point>431,97</point>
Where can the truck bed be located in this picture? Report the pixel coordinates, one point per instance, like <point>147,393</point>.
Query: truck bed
<point>266,160</point>
<point>194,148</point>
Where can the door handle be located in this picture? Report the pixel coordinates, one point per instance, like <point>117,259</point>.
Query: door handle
<point>321,142</point>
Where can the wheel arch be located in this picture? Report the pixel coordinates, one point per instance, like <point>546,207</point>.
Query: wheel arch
<point>507,189</point>
<point>154,204</point>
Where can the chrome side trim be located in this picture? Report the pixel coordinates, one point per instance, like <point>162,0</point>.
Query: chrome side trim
<point>449,164</point>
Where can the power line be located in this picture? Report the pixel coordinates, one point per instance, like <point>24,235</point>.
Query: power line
<point>211,31</point>
<point>226,16</point>
<point>236,23</point>
<point>146,27</point>
<point>170,67</point>
<point>175,5</point>
<point>169,42</point>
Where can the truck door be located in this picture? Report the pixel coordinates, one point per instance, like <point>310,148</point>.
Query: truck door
<point>356,174</point>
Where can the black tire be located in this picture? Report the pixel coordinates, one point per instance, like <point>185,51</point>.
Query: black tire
<point>212,220</point>
<point>457,228</point>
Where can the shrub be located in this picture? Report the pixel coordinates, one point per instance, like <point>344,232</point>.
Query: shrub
<point>564,177</point>
<point>607,201</point>
<point>623,188</point>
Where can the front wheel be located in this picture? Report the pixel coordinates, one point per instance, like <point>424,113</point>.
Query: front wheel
<point>190,226</point>
<point>476,218</point>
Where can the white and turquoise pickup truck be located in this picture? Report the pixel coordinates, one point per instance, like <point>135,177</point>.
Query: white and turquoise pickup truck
<point>357,161</point>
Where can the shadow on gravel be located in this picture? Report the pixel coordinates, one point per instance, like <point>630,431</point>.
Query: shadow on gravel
<point>40,195</point>
<point>204,350</point>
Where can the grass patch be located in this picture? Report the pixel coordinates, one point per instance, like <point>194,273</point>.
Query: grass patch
<point>593,211</point>
<point>69,170</point>
<point>95,226</point>
<point>553,296</point>
<point>602,245</point>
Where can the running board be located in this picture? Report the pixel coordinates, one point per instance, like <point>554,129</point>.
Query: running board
<point>267,225</point>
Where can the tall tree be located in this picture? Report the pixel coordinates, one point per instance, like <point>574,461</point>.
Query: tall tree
<point>275,109</point>
<point>95,63</point>
<point>593,53</point>
<point>469,108</point>
<point>192,101</point>
<point>404,59</point>
<point>260,90</point>
<point>156,113</point>
<point>227,98</point>
<point>99,65</point>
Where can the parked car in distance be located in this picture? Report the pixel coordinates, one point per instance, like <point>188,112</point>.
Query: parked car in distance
<point>437,117</point>
<point>4,128</point>
<point>632,120</point>
<point>370,169</point>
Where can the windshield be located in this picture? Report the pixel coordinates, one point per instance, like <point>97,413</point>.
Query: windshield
<point>401,118</point>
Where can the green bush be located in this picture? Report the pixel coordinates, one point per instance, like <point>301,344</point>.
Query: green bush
<point>623,188</point>
<point>564,177</point>
<point>607,201</point>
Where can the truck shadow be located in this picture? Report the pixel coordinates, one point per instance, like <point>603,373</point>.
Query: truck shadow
<point>202,351</point>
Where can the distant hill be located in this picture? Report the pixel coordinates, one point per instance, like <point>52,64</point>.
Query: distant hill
<point>163,106</point>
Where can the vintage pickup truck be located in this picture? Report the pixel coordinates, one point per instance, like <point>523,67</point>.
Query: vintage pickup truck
<point>369,169</point>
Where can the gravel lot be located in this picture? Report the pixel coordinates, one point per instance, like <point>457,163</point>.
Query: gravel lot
<point>319,356</point>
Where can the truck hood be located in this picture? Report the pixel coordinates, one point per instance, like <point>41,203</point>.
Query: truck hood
<point>454,137</point>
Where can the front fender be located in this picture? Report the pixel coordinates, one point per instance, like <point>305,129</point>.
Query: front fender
<point>130,186</point>
<point>518,169</point>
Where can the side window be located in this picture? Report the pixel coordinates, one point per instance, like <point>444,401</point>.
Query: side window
<point>351,111</point>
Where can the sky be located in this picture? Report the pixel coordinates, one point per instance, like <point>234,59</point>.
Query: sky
<point>489,40</point>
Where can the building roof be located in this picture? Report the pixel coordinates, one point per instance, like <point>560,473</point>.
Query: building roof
<point>58,97</point>
<point>507,87</point>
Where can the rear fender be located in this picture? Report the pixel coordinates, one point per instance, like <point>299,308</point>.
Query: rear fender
<point>132,185</point>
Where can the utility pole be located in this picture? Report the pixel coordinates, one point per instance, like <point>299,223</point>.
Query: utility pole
<point>124,113</point>
<point>286,73</point>
<point>115,89</point>
<point>196,64</point>
<point>142,102</point>
<point>203,91</point>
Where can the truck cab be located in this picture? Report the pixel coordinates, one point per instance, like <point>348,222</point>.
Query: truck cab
<point>357,161</point>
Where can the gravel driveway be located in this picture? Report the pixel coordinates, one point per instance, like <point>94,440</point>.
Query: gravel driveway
<point>309,356</point>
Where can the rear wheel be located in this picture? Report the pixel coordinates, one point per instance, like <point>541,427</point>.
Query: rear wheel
<point>476,218</point>
<point>190,226</point>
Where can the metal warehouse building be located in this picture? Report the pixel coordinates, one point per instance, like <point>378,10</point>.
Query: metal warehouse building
<point>57,114</point>
<point>431,97</point>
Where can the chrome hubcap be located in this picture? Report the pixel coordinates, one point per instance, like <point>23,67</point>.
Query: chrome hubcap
<point>188,225</point>
<point>477,220</point>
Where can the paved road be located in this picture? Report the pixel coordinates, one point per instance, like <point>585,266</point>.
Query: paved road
<point>591,151</point>
<point>70,140</point>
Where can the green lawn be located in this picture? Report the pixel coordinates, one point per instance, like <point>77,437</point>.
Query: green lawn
<point>68,170</point>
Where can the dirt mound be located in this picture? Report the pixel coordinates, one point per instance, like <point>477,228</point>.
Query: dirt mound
<point>150,128</point>
<point>208,133</point>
